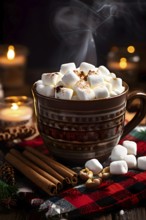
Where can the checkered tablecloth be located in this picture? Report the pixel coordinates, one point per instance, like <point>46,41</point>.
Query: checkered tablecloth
<point>116,193</point>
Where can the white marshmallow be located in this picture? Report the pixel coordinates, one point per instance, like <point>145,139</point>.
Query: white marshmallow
<point>113,75</point>
<point>118,153</point>
<point>101,91</point>
<point>118,167</point>
<point>113,93</point>
<point>48,91</point>
<point>116,82</point>
<point>60,83</point>
<point>94,165</point>
<point>40,88</point>
<point>83,90</point>
<point>103,70</point>
<point>51,78</point>
<point>119,90</point>
<point>63,93</point>
<point>82,84</point>
<point>117,85</point>
<point>131,161</point>
<point>39,82</point>
<point>107,78</point>
<point>108,86</point>
<point>86,67</point>
<point>70,79</point>
<point>141,163</point>
<point>94,79</point>
<point>83,80</point>
<point>67,67</point>
<point>85,94</point>
<point>131,147</point>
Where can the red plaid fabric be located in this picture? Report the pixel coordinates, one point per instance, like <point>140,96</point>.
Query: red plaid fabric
<point>118,192</point>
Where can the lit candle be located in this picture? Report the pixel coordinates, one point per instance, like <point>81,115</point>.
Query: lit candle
<point>123,60</point>
<point>12,58</point>
<point>121,65</point>
<point>15,111</point>
<point>12,65</point>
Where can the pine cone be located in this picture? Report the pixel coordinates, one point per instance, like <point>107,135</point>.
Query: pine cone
<point>7,173</point>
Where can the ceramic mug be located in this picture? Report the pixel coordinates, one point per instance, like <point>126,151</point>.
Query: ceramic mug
<point>75,131</point>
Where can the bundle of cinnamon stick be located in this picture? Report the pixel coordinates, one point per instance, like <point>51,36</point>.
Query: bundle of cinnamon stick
<point>48,174</point>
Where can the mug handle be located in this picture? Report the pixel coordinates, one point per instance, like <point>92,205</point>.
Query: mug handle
<point>140,114</point>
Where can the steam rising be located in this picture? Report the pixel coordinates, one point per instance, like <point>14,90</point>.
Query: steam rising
<point>78,25</point>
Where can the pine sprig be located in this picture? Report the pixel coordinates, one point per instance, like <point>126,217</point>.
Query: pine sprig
<point>7,191</point>
<point>8,195</point>
<point>143,132</point>
<point>140,134</point>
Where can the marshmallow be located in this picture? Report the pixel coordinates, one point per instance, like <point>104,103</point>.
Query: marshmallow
<point>116,82</point>
<point>131,161</point>
<point>67,67</point>
<point>119,90</point>
<point>85,94</point>
<point>113,75</point>
<point>60,83</point>
<point>83,90</point>
<point>141,163</point>
<point>51,78</point>
<point>131,147</point>
<point>108,86</point>
<point>82,84</point>
<point>94,165</point>
<point>103,70</point>
<point>107,78</point>
<point>101,92</point>
<point>94,79</point>
<point>86,67</point>
<point>117,85</point>
<point>118,167</point>
<point>113,93</point>
<point>118,153</point>
<point>70,78</point>
<point>87,82</point>
<point>48,91</point>
<point>39,82</point>
<point>40,88</point>
<point>63,93</point>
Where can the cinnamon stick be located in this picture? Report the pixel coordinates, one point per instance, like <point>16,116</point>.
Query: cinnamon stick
<point>31,174</point>
<point>37,169</point>
<point>70,175</point>
<point>43,165</point>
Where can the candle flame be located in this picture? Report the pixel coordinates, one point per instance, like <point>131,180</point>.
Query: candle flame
<point>14,106</point>
<point>11,52</point>
<point>131,49</point>
<point>123,63</point>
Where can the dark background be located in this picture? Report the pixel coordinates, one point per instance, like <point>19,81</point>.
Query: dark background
<point>58,31</point>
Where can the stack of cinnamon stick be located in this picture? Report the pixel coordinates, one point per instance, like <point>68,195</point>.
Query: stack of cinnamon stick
<point>48,174</point>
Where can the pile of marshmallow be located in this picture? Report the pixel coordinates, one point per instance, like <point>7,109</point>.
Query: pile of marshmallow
<point>123,157</point>
<point>86,82</point>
